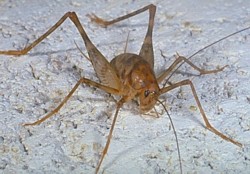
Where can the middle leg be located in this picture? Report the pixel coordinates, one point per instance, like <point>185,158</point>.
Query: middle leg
<point>82,80</point>
<point>178,61</point>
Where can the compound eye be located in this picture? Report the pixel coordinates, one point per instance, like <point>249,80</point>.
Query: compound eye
<point>146,93</point>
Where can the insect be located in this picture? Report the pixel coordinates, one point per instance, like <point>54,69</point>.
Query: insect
<point>128,75</point>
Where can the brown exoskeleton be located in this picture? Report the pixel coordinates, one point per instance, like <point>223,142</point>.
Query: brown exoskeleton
<point>128,75</point>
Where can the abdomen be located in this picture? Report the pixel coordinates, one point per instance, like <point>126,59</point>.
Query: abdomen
<point>123,64</point>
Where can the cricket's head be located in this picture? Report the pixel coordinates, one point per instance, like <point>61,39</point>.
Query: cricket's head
<point>143,80</point>
<point>147,98</point>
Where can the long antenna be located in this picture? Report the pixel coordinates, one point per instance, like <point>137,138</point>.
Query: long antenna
<point>175,134</point>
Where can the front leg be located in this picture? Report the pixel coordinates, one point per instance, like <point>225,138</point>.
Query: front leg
<point>208,125</point>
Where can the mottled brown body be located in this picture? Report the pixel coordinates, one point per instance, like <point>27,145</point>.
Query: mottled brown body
<point>128,75</point>
<point>137,78</point>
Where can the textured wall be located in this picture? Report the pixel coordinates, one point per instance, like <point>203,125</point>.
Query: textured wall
<point>70,142</point>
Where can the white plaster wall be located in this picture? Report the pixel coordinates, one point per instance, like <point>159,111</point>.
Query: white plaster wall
<point>70,142</point>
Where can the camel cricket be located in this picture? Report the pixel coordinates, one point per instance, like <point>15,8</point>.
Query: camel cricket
<point>128,75</point>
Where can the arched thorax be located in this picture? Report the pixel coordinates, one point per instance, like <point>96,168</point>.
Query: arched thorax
<point>138,79</point>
